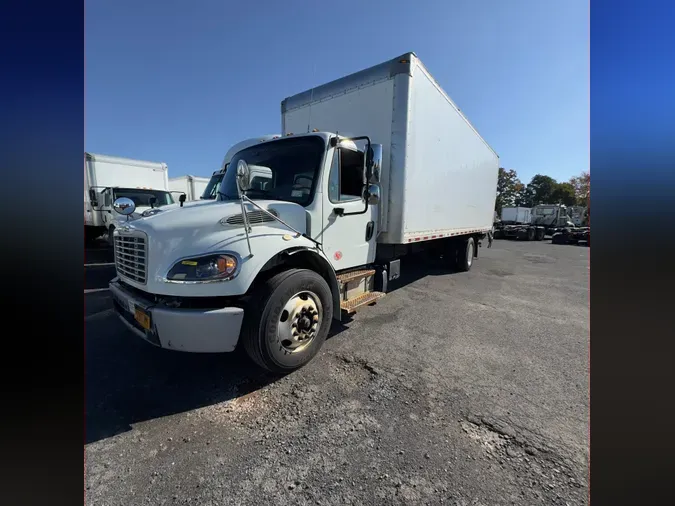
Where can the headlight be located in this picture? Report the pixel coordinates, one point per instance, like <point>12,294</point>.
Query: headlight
<point>217,267</point>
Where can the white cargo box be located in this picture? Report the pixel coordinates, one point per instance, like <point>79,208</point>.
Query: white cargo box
<point>192,186</point>
<point>110,171</point>
<point>439,177</point>
<point>517,214</point>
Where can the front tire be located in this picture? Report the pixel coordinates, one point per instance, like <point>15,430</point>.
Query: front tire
<point>288,320</point>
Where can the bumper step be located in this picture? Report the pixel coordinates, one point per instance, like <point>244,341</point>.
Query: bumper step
<point>351,305</point>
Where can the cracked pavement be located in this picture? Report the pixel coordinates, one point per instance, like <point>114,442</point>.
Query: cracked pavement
<point>456,388</point>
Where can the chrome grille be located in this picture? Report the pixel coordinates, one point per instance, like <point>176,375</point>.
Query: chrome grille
<point>131,257</point>
<point>255,217</point>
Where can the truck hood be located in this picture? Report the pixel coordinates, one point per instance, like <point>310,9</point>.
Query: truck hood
<point>205,226</point>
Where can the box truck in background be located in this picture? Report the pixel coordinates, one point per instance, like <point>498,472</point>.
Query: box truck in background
<point>107,178</point>
<point>311,226</point>
<point>211,190</point>
<point>192,186</point>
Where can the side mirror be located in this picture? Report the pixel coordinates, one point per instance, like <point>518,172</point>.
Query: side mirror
<point>374,164</point>
<point>181,199</point>
<point>124,206</point>
<point>243,175</point>
<point>373,194</point>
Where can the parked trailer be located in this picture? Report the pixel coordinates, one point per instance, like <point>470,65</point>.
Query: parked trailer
<point>545,219</point>
<point>311,226</point>
<point>107,178</point>
<point>515,223</point>
<point>192,186</point>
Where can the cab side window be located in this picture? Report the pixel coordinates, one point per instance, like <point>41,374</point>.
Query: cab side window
<point>346,176</point>
<point>107,200</point>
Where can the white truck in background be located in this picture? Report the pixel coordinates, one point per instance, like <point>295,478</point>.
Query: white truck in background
<point>192,186</point>
<point>516,214</point>
<point>310,226</point>
<point>211,190</point>
<point>108,178</point>
<point>533,224</point>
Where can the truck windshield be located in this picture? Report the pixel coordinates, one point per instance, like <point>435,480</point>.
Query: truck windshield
<point>211,190</point>
<point>280,170</point>
<point>142,197</point>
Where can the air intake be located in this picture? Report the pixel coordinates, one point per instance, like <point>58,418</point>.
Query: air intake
<point>255,217</point>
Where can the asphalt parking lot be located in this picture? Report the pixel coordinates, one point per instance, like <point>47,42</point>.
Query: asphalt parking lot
<point>456,388</point>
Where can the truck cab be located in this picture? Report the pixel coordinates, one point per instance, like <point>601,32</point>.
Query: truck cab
<point>551,216</point>
<point>296,211</point>
<point>144,199</point>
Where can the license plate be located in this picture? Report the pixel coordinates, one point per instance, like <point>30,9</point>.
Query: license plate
<point>142,318</point>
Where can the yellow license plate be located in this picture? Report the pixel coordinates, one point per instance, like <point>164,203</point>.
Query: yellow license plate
<point>142,318</point>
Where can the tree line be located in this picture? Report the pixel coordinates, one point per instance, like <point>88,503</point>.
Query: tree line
<point>541,190</point>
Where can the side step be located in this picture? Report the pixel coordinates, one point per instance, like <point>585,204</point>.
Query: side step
<point>368,298</point>
<point>354,275</point>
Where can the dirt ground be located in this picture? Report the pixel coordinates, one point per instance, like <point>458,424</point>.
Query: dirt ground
<point>456,388</point>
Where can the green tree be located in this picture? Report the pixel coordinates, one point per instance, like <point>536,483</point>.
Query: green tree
<point>538,191</point>
<point>563,193</point>
<point>582,188</point>
<point>509,188</point>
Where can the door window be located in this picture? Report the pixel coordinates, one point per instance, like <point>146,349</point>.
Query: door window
<point>345,182</point>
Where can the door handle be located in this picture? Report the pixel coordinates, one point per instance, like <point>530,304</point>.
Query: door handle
<point>370,228</point>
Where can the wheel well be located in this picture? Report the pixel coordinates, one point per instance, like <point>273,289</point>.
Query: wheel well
<point>301,258</point>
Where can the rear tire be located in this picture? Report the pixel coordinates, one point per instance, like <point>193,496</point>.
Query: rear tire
<point>465,255</point>
<point>531,234</point>
<point>540,234</point>
<point>558,238</point>
<point>276,306</point>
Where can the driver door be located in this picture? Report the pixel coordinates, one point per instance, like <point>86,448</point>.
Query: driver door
<point>349,235</point>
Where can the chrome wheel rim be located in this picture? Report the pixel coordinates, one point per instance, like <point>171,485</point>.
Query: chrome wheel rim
<point>299,321</point>
<point>469,254</point>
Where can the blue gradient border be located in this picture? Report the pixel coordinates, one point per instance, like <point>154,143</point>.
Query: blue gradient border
<point>41,156</point>
<point>633,209</point>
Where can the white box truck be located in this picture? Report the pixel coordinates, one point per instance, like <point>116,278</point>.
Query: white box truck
<point>192,186</point>
<point>107,178</point>
<point>308,227</point>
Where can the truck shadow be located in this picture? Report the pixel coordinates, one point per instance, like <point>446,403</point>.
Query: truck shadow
<point>128,381</point>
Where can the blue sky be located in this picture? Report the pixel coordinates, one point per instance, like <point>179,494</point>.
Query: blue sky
<point>180,81</point>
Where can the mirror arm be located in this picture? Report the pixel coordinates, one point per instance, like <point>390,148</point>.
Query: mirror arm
<point>342,211</point>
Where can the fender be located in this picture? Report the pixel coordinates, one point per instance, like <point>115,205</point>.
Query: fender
<point>308,258</point>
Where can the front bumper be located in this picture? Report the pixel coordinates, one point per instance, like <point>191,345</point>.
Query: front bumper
<point>190,330</point>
